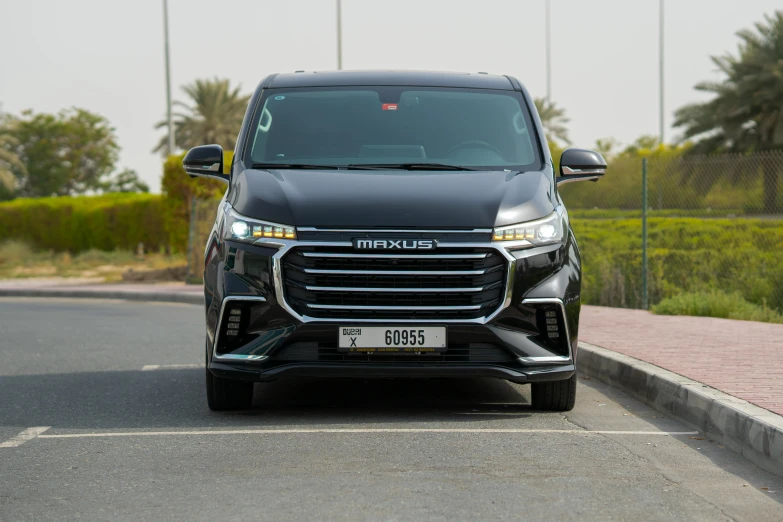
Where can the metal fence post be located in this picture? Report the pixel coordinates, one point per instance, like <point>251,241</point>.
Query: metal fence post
<point>644,234</point>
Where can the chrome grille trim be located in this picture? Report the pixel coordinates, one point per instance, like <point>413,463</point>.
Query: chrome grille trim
<point>285,246</point>
<point>361,289</point>
<point>392,308</point>
<point>397,230</point>
<point>395,272</point>
<point>395,256</point>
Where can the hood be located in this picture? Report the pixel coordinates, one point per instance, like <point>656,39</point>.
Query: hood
<point>394,198</point>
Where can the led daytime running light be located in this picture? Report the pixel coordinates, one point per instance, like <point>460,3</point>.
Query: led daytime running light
<point>543,231</point>
<point>245,228</point>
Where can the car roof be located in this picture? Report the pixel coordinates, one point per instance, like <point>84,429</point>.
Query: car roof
<point>407,78</point>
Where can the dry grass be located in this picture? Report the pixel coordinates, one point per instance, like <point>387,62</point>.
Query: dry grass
<point>18,260</point>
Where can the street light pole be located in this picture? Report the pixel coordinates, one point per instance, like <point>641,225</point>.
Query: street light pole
<point>172,146</point>
<point>548,53</point>
<point>660,70</point>
<point>339,35</point>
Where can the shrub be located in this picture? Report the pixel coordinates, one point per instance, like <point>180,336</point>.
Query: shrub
<point>716,304</point>
<point>179,189</point>
<point>684,255</point>
<point>108,222</point>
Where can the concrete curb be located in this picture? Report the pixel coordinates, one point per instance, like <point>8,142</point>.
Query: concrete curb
<point>753,432</point>
<point>130,295</point>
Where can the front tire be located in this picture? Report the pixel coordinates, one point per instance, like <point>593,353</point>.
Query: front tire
<point>554,395</point>
<point>228,394</point>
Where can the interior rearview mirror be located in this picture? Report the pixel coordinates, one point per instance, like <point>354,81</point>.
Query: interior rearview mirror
<point>206,160</point>
<point>581,165</point>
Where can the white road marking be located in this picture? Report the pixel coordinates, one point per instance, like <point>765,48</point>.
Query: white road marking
<point>150,367</point>
<point>28,434</point>
<point>355,430</point>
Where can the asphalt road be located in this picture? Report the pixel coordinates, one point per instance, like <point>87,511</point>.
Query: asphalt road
<point>130,437</point>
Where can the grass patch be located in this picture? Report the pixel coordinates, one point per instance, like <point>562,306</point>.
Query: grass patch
<point>716,304</point>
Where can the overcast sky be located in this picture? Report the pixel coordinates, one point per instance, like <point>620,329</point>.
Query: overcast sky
<point>107,55</point>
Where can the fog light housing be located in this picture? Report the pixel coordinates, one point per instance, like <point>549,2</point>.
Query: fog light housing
<point>551,327</point>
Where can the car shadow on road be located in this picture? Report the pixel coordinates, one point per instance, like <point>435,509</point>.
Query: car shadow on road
<point>176,399</point>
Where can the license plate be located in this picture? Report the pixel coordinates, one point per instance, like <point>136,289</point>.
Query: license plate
<point>392,339</point>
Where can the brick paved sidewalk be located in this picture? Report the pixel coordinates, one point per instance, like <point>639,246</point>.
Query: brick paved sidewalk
<point>741,358</point>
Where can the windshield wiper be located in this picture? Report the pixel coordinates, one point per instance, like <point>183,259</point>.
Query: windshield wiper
<point>293,166</point>
<point>408,166</point>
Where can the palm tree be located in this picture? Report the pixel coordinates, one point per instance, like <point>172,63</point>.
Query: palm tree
<point>554,120</point>
<point>214,116</point>
<point>746,112</point>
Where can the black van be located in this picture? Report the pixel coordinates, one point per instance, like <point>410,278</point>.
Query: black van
<point>392,224</point>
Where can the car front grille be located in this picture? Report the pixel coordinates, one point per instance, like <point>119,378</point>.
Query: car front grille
<point>450,283</point>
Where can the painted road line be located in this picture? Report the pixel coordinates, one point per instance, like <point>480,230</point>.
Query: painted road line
<point>151,367</point>
<point>356,430</point>
<point>28,434</point>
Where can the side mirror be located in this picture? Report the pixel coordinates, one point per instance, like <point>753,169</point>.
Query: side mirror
<point>206,160</point>
<point>581,165</point>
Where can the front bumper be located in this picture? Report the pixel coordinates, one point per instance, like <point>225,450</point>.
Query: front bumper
<point>275,341</point>
<point>389,371</point>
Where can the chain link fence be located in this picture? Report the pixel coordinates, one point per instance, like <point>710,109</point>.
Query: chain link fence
<point>710,224</point>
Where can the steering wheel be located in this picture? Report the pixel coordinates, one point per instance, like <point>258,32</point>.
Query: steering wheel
<point>475,144</point>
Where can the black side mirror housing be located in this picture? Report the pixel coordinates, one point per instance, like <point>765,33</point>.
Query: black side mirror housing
<point>205,160</point>
<point>581,165</point>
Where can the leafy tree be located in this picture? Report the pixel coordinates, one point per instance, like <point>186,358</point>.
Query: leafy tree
<point>746,112</point>
<point>8,160</point>
<point>643,146</point>
<point>58,154</point>
<point>127,180</point>
<point>214,115</point>
<point>554,120</point>
<point>606,147</point>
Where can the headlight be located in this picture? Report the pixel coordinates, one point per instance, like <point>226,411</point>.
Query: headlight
<point>243,228</point>
<point>544,231</point>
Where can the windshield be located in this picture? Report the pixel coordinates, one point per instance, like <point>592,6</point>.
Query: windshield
<point>394,126</point>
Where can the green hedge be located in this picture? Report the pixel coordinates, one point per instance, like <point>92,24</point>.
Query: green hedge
<point>108,222</point>
<point>684,255</point>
